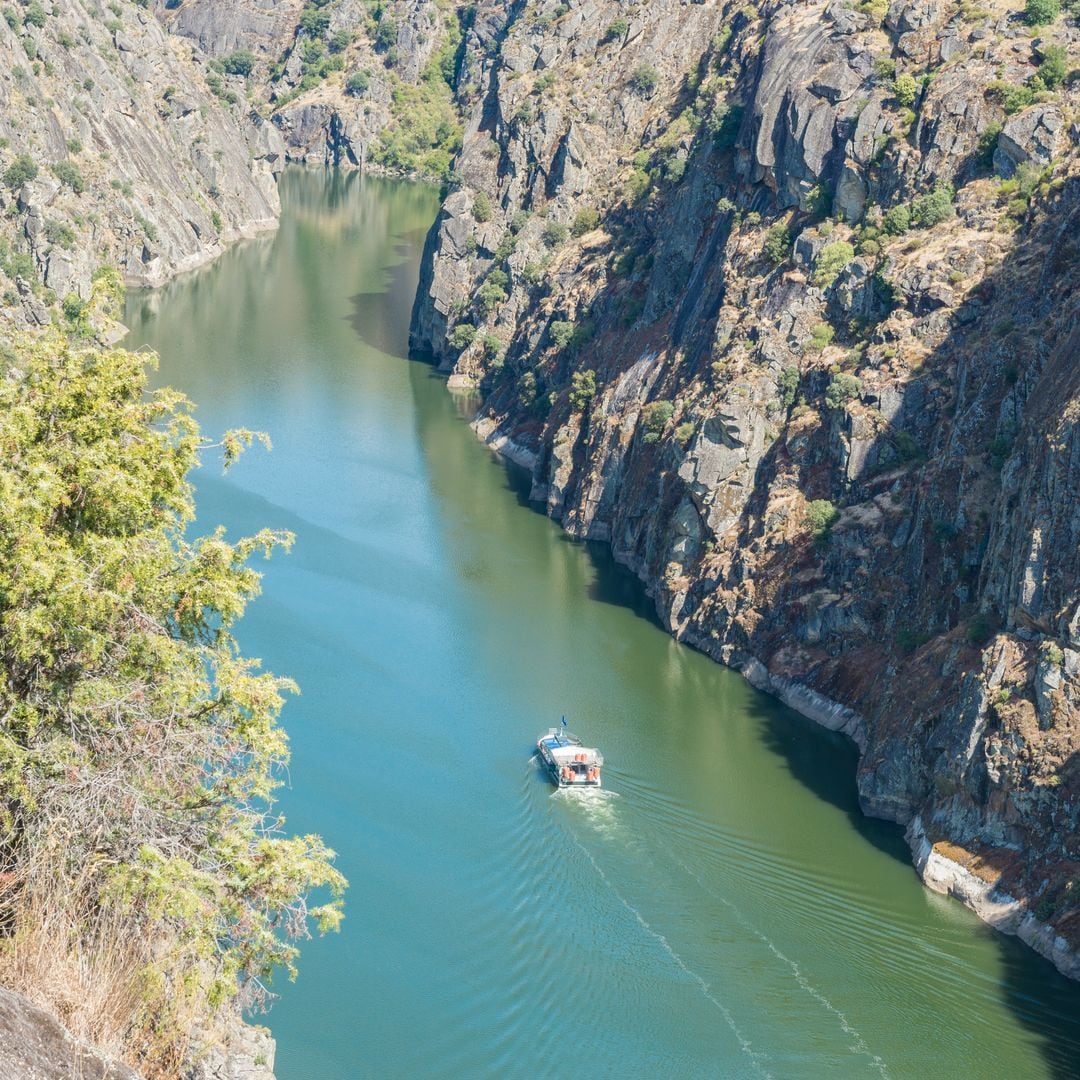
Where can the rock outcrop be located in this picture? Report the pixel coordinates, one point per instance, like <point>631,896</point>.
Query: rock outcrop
<point>35,1046</point>
<point>116,151</point>
<point>780,301</point>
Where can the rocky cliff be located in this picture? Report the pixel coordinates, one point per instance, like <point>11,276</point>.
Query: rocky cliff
<point>116,152</point>
<point>346,82</point>
<point>779,301</point>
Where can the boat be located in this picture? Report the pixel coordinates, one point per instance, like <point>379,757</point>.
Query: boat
<point>568,762</point>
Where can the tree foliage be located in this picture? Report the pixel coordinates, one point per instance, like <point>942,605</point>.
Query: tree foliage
<point>139,750</point>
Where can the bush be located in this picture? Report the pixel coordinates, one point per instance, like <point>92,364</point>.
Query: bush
<point>561,332</point>
<point>314,22</point>
<point>240,62</point>
<point>586,219</point>
<point>60,234</point>
<point>462,336</point>
<point>933,208</point>
<point>555,234</point>
<point>68,173</point>
<point>904,90</point>
<point>519,221</point>
<point>897,220</point>
<point>1041,12</point>
<point>481,207</point>
<point>490,295</point>
<point>644,80</point>
<point>788,386</point>
<point>582,389</point>
<point>685,432</point>
<point>833,258</point>
<point>357,83</point>
<point>616,30</point>
<point>386,34</point>
<point>820,337</point>
<point>842,389</point>
<point>655,417</point>
<point>35,15</point>
<point>1054,66</point>
<point>72,307</point>
<point>21,171</point>
<point>777,246</point>
<point>821,516</point>
<point>527,389</point>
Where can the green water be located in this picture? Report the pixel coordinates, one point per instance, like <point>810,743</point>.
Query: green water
<point>722,910</point>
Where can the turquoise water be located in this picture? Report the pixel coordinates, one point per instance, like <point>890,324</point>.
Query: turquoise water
<point>720,910</point>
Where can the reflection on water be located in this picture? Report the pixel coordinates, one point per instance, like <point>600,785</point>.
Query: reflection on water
<point>719,909</point>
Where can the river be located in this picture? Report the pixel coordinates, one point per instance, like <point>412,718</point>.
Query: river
<point>721,910</point>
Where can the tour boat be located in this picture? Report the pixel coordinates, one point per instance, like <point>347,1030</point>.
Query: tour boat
<point>568,762</point>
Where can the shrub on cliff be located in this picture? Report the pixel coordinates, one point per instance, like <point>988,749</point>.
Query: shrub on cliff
<point>356,85</point>
<point>655,417</point>
<point>644,80</point>
<point>833,258</point>
<point>582,389</point>
<point>777,246</point>
<point>821,516</point>
<point>21,171</point>
<point>1041,12</point>
<point>462,336</point>
<point>561,333</point>
<point>585,220</point>
<point>140,750</point>
<point>616,30</point>
<point>240,62</point>
<point>481,207</point>
<point>904,89</point>
<point>933,207</point>
<point>842,389</point>
<point>67,172</point>
<point>1053,66</point>
<point>555,234</point>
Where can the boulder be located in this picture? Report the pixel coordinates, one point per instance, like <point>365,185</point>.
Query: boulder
<point>1033,136</point>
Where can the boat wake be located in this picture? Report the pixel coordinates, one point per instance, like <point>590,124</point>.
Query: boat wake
<point>757,1057</point>
<point>859,1045</point>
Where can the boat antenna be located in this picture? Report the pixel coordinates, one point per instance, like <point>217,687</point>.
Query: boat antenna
<point>564,723</point>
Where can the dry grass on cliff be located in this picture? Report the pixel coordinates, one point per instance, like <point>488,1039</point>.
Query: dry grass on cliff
<point>89,966</point>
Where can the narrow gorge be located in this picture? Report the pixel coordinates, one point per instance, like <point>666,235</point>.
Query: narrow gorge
<point>774,302</point>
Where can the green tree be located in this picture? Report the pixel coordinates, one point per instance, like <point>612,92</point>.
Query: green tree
<point>139,750</point>
<point>933,207</point>
<point>777,246</point>
<point>1041,12</point>
<point>357,83</point>
<point>832,259</point>
<point>645,80</point>
<point>481,208</point>
<point>240,62</point>
<point>555,234</point>
<point>1054,66</point>
<point>582,389</point>
<point>904,89</point>
<point>821,516</point>
<point>842,389</point>
<point>655,417</point>
<point>585,220</point>
<point>67,172</point>
<point>20,171</point>
<point>561,332</point>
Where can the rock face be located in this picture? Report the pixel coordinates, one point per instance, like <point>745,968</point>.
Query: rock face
<point>322,120</point>
<point>35,1046</point>
<point>743,291</point>
<point>134,162</point>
